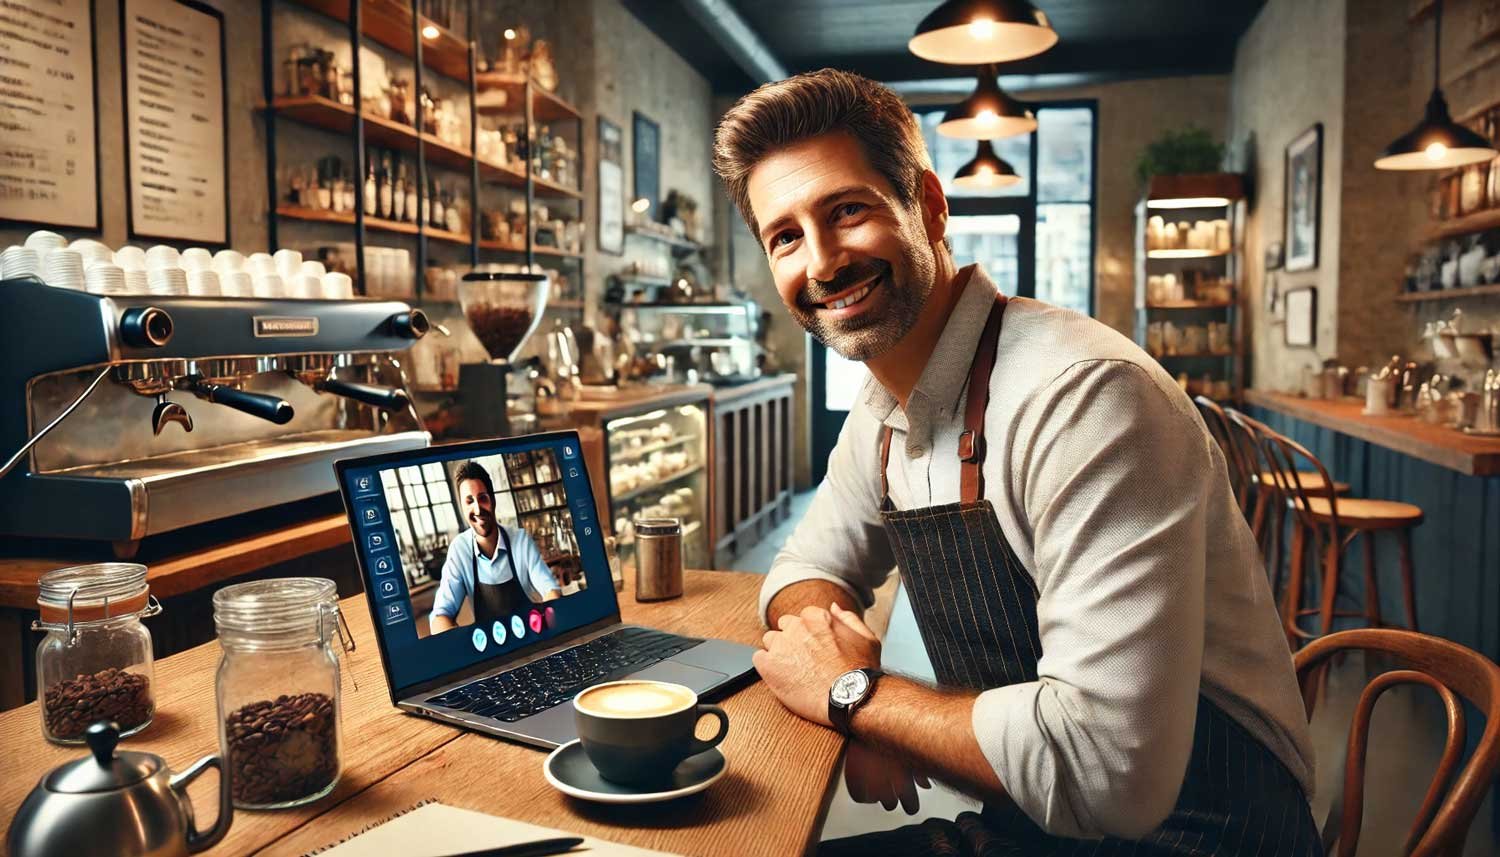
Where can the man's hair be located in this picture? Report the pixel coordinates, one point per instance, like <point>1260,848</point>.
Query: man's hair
<point>810,105</point>
<point>474,470</point>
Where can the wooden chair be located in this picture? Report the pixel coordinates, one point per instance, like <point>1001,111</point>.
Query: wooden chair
<point>1333,523</point>
<point>1240,473</point>
<point>1452,671</point>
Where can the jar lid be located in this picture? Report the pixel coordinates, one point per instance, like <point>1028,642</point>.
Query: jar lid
<point>481,275</point>
<point>97,591</point>
<point>281,607</point>
<point>104,770</point>
<point>658,526</point>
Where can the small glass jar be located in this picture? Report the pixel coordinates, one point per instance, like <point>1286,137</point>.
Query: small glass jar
<point>95,662</point>
<point>278,689</point>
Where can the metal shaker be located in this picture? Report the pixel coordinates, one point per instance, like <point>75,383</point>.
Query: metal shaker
<point>1488,418</point>
<point>658,558</point>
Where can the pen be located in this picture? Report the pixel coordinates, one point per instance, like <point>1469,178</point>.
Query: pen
<point>539,848</point>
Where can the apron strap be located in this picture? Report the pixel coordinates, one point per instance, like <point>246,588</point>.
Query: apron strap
<point>971,441</point>
<point>510,555</point>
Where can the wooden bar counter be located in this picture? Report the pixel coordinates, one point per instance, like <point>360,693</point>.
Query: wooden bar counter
<point>772,800</point>
<point>1441,445</point>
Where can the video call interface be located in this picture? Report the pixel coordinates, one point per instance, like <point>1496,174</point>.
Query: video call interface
<point>471,555</point>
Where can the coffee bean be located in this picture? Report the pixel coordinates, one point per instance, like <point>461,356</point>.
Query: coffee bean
<point>70,706</point>
<point>282,750</point>
<point>499,328</point>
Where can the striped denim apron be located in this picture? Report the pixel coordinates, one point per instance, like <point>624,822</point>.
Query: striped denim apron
<point>1237,798</point>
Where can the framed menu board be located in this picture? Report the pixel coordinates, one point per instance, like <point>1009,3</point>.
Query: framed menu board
<point>49,162</point>
<point>176,119</point>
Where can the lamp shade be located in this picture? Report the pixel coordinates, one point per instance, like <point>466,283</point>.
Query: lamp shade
<point>988,113</point>
<point>1436,143</point>
<point>973,32</point>
<point>987,170</point>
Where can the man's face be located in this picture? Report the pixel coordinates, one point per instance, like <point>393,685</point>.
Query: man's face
<point>852,264</point>
<point>478,506</point>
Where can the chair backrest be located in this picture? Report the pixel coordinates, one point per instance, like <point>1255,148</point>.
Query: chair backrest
<point>1218,426</point>
<point>1288,460</point>
<point>1453,671</point>
<point>1244,436</point>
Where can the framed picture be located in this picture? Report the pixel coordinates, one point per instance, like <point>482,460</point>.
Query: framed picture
<point>646,163</point>
<point>1301,317</point>
<point>51,175</point>
<point>611,187</point>
<point>1304,198</point>
<point>176,121</point>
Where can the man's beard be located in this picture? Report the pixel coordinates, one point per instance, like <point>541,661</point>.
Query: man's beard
<point>870,334</point>
<point>483,525</point>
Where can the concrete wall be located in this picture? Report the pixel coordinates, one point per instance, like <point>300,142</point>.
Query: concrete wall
<point>1289,73</point>
<point>247,166</point>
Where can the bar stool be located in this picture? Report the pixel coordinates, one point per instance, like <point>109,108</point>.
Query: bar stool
<point>1334,523</point>
<point>1240,474</point>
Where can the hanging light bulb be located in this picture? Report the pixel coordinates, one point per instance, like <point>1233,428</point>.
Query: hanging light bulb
<point>988,113</point>
<point>1437,142</point>
<point>971,32</point>
<point>987,171</point>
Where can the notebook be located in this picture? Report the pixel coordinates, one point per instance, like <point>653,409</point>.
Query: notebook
<point>432,829</point>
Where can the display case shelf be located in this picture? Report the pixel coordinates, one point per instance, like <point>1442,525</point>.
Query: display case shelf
<point>637,453</point>
<point>388,23</point>
<point>634,493</point>
<point>323,215</point>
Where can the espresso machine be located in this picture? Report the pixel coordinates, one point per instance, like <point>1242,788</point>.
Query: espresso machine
<point>125,416</point>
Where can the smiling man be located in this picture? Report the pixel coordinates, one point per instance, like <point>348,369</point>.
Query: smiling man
<point>1110,663</point>
<point>484,562</point>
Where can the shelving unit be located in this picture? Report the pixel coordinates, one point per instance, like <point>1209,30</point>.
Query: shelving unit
<point>1449,294</point>
<point>1194,197</point>
<point>399,26</point>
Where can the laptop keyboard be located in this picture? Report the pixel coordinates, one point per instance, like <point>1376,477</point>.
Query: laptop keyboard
<point>557,678</point>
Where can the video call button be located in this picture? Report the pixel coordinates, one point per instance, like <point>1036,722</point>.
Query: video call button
<point>480,639</point>
<point>369,514</point>
<point>377,542</point>
<point>394,612</point>
<point>517,627</point>
<point>497,631</point>
<point>383,565</point>
<point>366,484</point>
<point>534,619</point>
<point>388,588</point>
<point>569,451</point>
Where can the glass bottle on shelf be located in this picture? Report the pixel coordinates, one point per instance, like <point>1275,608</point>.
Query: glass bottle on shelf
<point>409,191</point>
<point>384,178</point>
<point>437,219</point>
<point>398,192</point>
<point>372,187</point>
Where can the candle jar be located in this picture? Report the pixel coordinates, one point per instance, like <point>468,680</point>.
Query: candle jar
<point>277,689</point>
<point>95,662</point>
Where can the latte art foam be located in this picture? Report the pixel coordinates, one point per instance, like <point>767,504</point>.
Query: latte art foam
<point>636,699</point>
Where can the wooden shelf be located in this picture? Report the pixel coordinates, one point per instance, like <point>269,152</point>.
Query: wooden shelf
<point>1479,221</point>
<point>537,249</point>
<point>1448,294</point>
<point>545,106</point>
<point>388,22</point>
<point>678,244</point>
<point>1191,305</point>
<point>319,215</point>
<point>1186,254</point>
<point>319,112</point>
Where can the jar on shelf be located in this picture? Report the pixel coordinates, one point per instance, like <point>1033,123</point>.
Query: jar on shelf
<point>278,689</point>
<point>95,662</point>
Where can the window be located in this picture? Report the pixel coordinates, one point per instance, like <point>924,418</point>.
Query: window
<point>1065,207</point>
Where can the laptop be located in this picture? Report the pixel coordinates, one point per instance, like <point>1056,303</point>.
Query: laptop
<point>491,595</point>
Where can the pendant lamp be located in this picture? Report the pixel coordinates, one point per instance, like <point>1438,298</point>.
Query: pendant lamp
<point>988,113</point>
<point>987,171</point>
<point>972,32</point>
<point>1437,143</point>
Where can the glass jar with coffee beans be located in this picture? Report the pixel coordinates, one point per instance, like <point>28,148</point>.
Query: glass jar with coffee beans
<point>278,689</point>
<point>95,662</point>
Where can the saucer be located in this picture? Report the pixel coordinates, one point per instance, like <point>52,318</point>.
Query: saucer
<point>570,772</point>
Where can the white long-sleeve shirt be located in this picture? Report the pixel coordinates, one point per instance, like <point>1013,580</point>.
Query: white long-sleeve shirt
<point>1117,502</point>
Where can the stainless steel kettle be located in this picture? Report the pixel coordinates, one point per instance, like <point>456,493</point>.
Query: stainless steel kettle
<point>112,804</point>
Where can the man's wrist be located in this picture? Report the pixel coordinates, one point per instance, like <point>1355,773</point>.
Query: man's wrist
<point>812,592</point>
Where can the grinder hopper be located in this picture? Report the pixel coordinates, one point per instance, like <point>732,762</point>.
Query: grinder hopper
<point>503,309</point>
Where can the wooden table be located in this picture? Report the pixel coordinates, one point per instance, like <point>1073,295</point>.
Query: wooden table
<point>1442,445</point>
<point>772,800</point>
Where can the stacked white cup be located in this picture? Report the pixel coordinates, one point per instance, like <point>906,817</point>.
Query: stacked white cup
<point>203,283</point>
<point>105,278</point>
<point>44,242</point>
<point>20,261</point>
<point>266,281</point>
<point>63,269</point>
<point>131,258</point>
<point>162,256</point>
<point>236,284</point>
<point>166,281</point>
<point>288,264</point>
<point>196,259</point>
<point>337,286</point>
<point>92,251</point>
<point>135,282</point>
<point>305,286</point>
<point>228,261</point>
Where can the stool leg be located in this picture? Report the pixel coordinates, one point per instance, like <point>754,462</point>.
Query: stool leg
<point>1372,588</point>
<point>1332,563</point>
<point>1291,600</point>
<point>1403,542</point>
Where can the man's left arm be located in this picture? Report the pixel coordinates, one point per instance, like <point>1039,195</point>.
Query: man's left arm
<point>529,557</point>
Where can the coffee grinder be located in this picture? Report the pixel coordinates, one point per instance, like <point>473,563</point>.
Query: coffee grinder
<point>503,308</point>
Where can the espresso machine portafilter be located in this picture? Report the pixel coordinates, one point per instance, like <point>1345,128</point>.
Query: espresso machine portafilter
<point>126,416</point>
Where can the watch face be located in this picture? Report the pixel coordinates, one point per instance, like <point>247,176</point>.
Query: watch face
<point>850,686</point>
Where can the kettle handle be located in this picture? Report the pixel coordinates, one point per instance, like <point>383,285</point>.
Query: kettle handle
<point>198,841</point>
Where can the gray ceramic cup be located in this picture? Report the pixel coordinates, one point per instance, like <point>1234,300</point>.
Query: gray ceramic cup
<point>642,747</point>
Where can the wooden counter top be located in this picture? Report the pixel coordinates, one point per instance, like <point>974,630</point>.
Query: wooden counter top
<point>772,800</point>
<point>1448,447</point>
<point>752,388</point>
<point>597,409</point>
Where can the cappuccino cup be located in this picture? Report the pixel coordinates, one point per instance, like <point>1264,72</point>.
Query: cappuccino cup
<point>636,732</point>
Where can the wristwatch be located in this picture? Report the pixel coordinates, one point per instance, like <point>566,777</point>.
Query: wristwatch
<point>849,692</point>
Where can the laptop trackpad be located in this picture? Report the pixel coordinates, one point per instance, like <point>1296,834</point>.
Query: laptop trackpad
<point>695,678</point>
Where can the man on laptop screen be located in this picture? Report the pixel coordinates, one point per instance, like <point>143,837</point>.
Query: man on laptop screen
<point>497,567</point>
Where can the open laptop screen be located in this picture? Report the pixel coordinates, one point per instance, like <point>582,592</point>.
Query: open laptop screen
<point>476,550</point>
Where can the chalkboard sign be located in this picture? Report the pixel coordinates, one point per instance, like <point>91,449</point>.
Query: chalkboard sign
<point>647,163</point>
